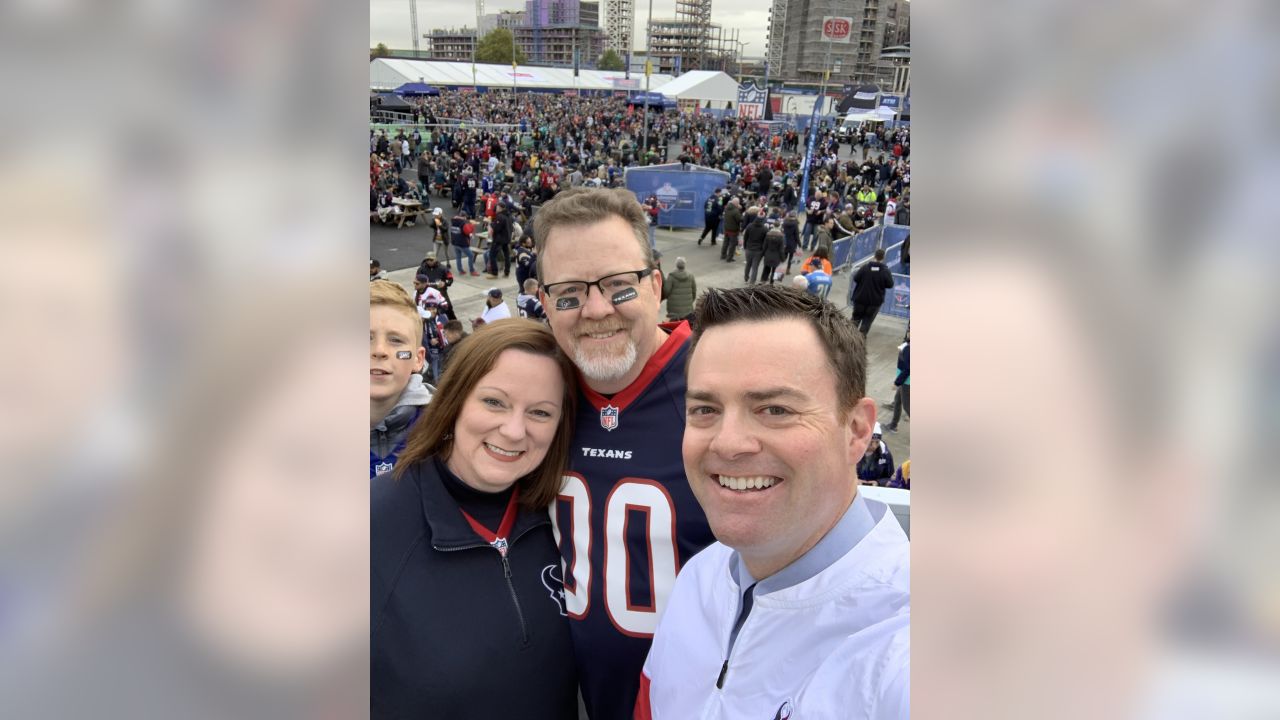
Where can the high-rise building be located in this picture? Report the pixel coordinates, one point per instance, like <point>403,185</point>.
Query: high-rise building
<point>556,30</point>
<point>796,52</point>
<point>619,24</point>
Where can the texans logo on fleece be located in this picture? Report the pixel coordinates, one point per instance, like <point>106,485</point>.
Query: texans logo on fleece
<point>784,712</point>
<point>555,586</point>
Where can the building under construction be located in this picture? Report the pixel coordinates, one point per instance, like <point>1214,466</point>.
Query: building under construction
<point>450,44</point>
<point>555,30</point>
<point>619,24</point>
<point>691,41</point>
<point>797,53</point>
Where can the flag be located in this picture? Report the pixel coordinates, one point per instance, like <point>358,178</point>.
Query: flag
<point>575,62</point>
<point>627,67</point>
<point>648,67</point>
<point>676,70</point>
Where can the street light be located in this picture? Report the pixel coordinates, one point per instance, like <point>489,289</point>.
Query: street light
<point>741,44</point>
<point>648,68</point>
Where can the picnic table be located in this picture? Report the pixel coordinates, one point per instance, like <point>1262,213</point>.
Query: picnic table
<point>409,210</point>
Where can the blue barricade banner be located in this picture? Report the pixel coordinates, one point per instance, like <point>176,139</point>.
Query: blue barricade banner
<point>897,302</point>
<point>681,192</point>
<point>847,251</point>
<point>840,250</point>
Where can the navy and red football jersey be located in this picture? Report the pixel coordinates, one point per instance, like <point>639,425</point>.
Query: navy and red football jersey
<point>626,521</point>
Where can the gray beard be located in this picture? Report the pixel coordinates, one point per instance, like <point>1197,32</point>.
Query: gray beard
<point>609,368</point>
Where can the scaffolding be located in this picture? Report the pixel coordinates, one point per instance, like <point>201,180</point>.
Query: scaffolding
<point>695,15</point>
<point>678,45</point>
<point>620,21</point>
<point>777,35</point>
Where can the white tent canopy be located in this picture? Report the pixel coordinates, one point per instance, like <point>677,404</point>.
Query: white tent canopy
<point>857,117</point>
<point>703,85</point>
<point>389,73</point>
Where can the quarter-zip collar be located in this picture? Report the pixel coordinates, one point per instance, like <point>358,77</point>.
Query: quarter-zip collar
<point>449,529</point>
<point>854,525</point>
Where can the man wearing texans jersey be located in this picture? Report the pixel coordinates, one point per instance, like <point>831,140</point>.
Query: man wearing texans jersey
<point>626,519</point>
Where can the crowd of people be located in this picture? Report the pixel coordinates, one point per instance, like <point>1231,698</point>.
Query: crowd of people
<point>545,519</point>
<point>477,151</point>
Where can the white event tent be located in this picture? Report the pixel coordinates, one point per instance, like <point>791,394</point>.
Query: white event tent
<point>701,87</point>
<point>389,73</point>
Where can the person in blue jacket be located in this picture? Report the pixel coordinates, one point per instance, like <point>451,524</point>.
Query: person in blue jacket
<point>876,466</point>
<point>467,603</point>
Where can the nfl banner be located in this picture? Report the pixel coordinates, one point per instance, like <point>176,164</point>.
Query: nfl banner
<point>676,71</point>
<point>627,65</point>
<point>751,101</point>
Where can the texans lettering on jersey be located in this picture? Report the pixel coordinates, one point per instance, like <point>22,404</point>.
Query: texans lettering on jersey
<point>626,521</point>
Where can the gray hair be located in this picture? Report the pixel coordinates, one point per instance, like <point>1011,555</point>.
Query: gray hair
<point>586,206</point>
<point>679,263</point>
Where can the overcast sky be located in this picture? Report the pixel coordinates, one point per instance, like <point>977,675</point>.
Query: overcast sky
<point>389,19</point>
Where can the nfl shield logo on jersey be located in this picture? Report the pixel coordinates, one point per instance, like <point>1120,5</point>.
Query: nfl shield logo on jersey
<point>609,417</point>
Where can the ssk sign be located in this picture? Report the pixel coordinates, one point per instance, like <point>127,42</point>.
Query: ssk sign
<point>837,29</point>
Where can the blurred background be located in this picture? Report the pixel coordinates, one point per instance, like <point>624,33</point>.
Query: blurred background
<point>1096,327</point>
<point>183,515</point>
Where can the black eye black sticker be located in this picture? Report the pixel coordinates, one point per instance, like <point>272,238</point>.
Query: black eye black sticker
<point>567,303</point>
<point>404,354</point>
<point>624,295</point>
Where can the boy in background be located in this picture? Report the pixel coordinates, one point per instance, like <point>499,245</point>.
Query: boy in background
<point>396,356</point>
<point>527,304</point>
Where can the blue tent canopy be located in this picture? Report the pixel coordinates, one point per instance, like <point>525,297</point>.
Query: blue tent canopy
<point>416,88</point>
<point>652,99</point>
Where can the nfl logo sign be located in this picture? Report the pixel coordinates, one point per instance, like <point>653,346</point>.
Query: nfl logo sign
<point>609,418</point>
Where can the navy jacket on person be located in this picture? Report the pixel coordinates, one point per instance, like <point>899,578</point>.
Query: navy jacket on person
<point>457,630</point>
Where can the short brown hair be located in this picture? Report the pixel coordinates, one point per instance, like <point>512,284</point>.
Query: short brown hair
<point>585,206</point>
<point>846,350</point>
<point>432,436</point>
<point>385,292</point>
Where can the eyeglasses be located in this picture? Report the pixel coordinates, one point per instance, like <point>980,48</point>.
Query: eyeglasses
<point>571,294</point>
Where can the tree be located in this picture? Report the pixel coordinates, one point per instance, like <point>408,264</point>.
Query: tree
<point>610,61</point>
<point>496,47</point>
<point>379,50</point>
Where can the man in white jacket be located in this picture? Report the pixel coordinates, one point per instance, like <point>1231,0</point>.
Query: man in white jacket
<point>803,608</point>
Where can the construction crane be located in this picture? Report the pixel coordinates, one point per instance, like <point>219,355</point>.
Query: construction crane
<point>413,23</point>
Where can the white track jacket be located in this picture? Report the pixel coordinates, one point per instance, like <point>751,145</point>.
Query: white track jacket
<point>826,637</point>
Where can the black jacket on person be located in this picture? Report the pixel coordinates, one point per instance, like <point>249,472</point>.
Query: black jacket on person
<point>457,630</point>
<point>502,228</point>
<point>870,283</point>
<point>773,249</point>
<point>791,234</point>
<point>753,236</point>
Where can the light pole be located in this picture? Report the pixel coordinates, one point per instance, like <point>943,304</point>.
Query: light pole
<point>648,68</point>
<point>741,44</point>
